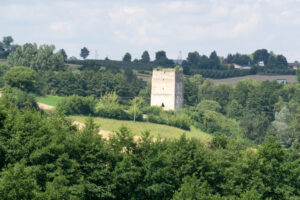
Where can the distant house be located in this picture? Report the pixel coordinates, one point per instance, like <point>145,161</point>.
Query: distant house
<point>261,63</point>
<point>294,65</point>
<point>284,81</point>
<point>73,58</point>
<point>236,66</point>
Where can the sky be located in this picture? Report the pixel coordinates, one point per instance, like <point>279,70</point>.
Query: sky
<point>115,27</point>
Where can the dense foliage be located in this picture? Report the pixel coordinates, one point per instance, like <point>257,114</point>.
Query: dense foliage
<point>77,105</point>
<point>249,109</point>
<point>21,77</point>
<point>40,58</point>
<point>6,46</point>
<point>44,157</point>
<point>88,83</point>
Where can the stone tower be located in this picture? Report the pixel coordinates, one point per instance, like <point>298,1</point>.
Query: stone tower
<point>167,88</point>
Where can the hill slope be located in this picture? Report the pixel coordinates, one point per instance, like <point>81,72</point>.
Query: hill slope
<point>138,128</point>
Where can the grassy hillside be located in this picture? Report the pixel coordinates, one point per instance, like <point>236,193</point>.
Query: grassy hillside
<point>138,127</point>
<point>49,100</point>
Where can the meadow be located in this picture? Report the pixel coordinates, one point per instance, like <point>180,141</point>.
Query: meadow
<point>49,100</point>
<point>137,128</point>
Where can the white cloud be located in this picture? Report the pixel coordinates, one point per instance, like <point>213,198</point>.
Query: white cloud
<point>128,25</point>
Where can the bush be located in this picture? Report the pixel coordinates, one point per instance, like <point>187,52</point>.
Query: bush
<point>21,77</point>
<point>181,121</point>
<point>154,110</point>
<point>110,108</point>
<point>135,110</point>
<point>158,119</point>
<point>113,111</point>
<point>209,105</point>
<point>21,99</point>
<point>77,105</point>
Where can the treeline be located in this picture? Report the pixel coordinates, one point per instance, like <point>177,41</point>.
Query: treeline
<point>144,63</point>
<point>44,157</point>
<point>212,66</point>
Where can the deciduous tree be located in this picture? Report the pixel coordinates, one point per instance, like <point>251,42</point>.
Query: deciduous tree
<point>84,52</point>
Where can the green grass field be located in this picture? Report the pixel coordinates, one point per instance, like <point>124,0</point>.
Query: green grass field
<point>49,100</point>
<point>138,128</point>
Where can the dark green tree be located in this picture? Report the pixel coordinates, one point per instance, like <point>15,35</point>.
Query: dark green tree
<point>160,56</point>
<point>272,62</point>
<point>127,57</point>
<point>18,182</point>
<point>84,52</point>
<point>21,77</point>
<point>281,62</point>
<point>214,60</point>
<point>64,54</point>
<point>145,57</point>
<point>261,55</point>
<point>6,47</point>
<point>193,58</point>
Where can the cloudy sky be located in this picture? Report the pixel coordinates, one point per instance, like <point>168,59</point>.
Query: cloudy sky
<point>117,26</point>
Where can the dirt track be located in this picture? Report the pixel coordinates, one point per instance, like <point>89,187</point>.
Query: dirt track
<point>45,106</point>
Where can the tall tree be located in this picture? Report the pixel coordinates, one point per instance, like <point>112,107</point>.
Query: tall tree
<point>7,41</point>
<point>39,59</point>
<point>145,57</point>
<point>214,59</point>
<point>6,47</point>
<point>161,59</point>
<point>272,61</point>
<point>160,56</point>
<point>64,54</point>
<point>84,52</point>
<point>261,55</point>
<point>193,58</point>
<point>281,61</point>
<point>127,57</point>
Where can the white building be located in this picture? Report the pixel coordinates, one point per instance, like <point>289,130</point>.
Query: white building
<point>261,63</point>
<point>167,89</point>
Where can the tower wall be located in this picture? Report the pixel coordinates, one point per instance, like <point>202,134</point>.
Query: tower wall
<point>179,87</point>
<point>167,89</point>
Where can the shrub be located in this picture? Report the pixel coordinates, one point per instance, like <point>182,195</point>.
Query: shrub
<point>154,110</point>
<point>77,105</point>
<point>18,98</point>
<point>158,119</point>
<point>180,120</point>
<point>21,77</point>
<point>209,105</point>
<point>112,111</point>
<point>135,110</point>
<point>110,108</point>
